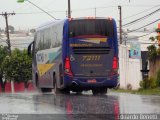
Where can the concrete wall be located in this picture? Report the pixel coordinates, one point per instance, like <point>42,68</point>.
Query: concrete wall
<point>18,87</point>
<point>129,69</point>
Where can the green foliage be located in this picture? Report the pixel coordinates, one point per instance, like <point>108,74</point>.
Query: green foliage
<point>158,30</point>
<point>158,51</point>
<point>32,30</point>
<point>20,1</point>
<point>152,38</point>
<point>18,66</point>
<point>152,52</point>
<point>158,78</point>
<point>3,54</point>
<point>155,91</point>
<point>148,83</point>
<point>11,28</point>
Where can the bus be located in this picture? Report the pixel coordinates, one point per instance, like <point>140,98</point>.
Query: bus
<point>75,54</point>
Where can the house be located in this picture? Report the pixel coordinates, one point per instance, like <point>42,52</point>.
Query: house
<point>130,66</point>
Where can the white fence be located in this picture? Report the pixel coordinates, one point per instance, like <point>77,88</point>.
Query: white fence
<point>129,69</point>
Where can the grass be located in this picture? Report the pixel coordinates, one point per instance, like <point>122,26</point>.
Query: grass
<point>155,91</point>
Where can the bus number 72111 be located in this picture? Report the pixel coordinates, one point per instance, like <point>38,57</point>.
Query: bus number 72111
<point>91,58</point>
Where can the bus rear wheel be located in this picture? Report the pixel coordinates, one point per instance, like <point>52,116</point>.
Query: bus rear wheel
<point>56,89</point>
<point>78,92</point>
<point>101,91</point>
<point>65,91</point>
<point>45,90</point>
<point>104,91</point>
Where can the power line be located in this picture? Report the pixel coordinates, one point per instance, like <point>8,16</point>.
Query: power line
<point>142,35</point>
<point>41,9</point>
<point>144,26</point>
<point>40,12</point>
<point>93,8</point>
<point>139,19</point>
<point>103,7</point>
<point>74,10</point>
<point>141,12</point>
<point>100,7</point>
<point>139,5</point>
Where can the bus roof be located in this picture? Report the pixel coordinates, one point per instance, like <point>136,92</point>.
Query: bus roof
<point>49,24</point>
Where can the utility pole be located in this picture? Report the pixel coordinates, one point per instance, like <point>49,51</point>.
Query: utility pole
<point>95,12</point>
<point>120,23</point>
<point>69,9</point>
<point>7,30</point>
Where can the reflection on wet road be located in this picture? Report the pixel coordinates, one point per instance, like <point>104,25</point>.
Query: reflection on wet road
<point>74,106</point>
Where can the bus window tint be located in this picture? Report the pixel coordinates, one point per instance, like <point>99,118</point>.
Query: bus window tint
<point>91,27</point>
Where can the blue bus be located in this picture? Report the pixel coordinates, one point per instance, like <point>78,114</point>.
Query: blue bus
<point>75,55</point>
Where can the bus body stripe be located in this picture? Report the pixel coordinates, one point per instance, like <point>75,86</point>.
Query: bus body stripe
<point>43,68</point>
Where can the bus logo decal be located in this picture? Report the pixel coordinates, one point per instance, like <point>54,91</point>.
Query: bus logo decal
<point>94,40</point>
<point>72,58</point>
<point>43,68</point>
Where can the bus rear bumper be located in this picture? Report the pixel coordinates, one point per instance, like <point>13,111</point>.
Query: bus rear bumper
<point>90,83</point>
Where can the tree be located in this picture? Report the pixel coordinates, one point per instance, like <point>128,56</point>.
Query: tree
<point>3,54</point>
<point>10,28</point>
<point>18,67</point>
<point>153,52</point>
<point>32,30</point>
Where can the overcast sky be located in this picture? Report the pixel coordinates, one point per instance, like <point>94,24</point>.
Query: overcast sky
<point>28,16</point>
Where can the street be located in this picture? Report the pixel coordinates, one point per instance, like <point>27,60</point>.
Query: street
<point>37,106</point>
<point>50,49</point>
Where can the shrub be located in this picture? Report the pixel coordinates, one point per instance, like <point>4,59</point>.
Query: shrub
<point>129,87</point>
<point>158,51</point>
<point>158,78</point>
<point>152,52</point>
<point>148,83</point>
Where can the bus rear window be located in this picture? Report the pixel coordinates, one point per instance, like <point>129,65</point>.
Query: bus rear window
<point>102,27</point>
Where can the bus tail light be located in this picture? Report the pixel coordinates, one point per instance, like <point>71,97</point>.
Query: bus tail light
<point>115,63</point>
<point>68,67</point>
<point>109,18</point>
<point>70,19</point>
<point>114,70</point>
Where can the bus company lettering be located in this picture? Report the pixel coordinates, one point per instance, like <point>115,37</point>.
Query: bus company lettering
<point>91,65</point>
<point>81,45</point>
<point>40,57</point>
<point>91,58</point>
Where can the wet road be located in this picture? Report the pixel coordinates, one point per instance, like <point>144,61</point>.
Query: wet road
<point>36,106</point>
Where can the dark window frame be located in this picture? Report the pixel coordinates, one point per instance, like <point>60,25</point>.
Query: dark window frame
<point>80,27</point>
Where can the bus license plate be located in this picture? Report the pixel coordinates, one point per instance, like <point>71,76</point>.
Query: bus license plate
<point>92,81</point>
